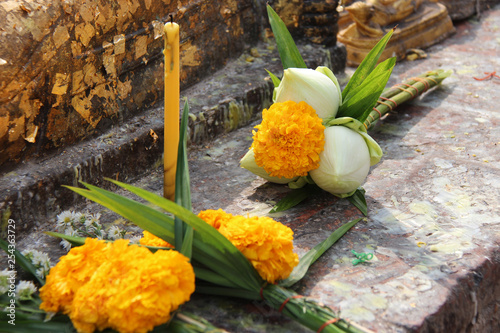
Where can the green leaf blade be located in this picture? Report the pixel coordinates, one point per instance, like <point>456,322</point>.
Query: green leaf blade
<point>292,199</point>
<point>183,189</point>
<point>74,240</point>
<point>143,216</point>
<point>212,277</point>
<point>206,238</point>
<point>182,181</point>
<point>289,53</point>
<point>274,78</point>
<point>366,67</point>
<point>359,201</point>
<point>21,260</point>
<point>366,95</point>
<point>310,257</point>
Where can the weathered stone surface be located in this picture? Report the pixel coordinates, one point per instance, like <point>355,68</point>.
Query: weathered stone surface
<point>70,70</point>
<point>316,20</point>
<point>462,9</point>
<point>433,223</point>
<point>427,25</point>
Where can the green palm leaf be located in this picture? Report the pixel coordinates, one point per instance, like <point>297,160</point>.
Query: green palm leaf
<point>366,67</point>
<point>312,255</point>
<point>209,246</point>
<point>183,233</point>
<point>289,53</point>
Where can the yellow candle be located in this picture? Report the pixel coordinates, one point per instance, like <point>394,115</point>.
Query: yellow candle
<point>172,91</point>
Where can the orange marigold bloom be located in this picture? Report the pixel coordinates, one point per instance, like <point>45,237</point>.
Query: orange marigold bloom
<point>289,139</point>
<point>73,270</point>
<point>149,239</point>
<point>132,290</point>
<point>266,243</point>
<point>215,217</point>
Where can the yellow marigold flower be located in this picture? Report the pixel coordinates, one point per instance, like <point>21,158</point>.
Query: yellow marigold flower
<point>266,243</point>
<point>289,139</point>
<point>149,239</point>
<point>132,290</point>
<point>215,217</point>
<point>73,270</point>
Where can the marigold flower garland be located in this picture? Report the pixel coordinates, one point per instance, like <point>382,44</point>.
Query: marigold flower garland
<point>289,139</point>
<point>119,286</point>
<point>266,243</point>
<point>149,239</point>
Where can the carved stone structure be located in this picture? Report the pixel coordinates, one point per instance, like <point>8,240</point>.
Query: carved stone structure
<point>419,24</point>
<point>461,9</point>
<point>71,69</point>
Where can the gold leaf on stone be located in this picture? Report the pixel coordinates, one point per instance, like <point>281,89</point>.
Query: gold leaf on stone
<point>124,88</point>
<point>86,12</point>
<point>190,55</point>
<point>141,46</point>
<point>90,73</point>
<point>61,85</point>
<point>84,32</point>
<point>119,41</point>
<point>32,137</point>
<point>109,64</point>
<point>16,128</point>
<point>108,48</point>
<point>82,105</point>
<point>77,85</point>
<point>60,36</point>
<point>133,5</point>
<point>4,126</point>
<point>157,29</point>
<point>48,50</point>
<point>9,5</point>
<point>76,48</point>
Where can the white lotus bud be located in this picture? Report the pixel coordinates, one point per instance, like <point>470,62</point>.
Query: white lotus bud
<point>248,162</point>
<point>344,162</point>
<point>319,88</point>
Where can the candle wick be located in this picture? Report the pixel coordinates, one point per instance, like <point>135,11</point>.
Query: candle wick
<point>171,19</point>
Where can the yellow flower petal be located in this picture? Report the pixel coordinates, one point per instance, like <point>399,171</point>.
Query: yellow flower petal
<point>149,239</point>
<point>119,286</point>
<point>266,243</point>
<point>289,140</point>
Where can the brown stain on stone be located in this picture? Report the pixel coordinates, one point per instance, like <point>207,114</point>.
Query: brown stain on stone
<point>57,125</point>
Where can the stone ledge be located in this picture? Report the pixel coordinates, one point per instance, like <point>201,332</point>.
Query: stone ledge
<point>229,99</point>
<point>433,223</point>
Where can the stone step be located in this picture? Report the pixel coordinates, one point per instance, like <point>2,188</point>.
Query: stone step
<point>433,223</point>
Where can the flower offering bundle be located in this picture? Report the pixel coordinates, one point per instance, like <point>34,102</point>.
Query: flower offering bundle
<point>314,133</point>
<point>116,285</point>
<point>130,288</point>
